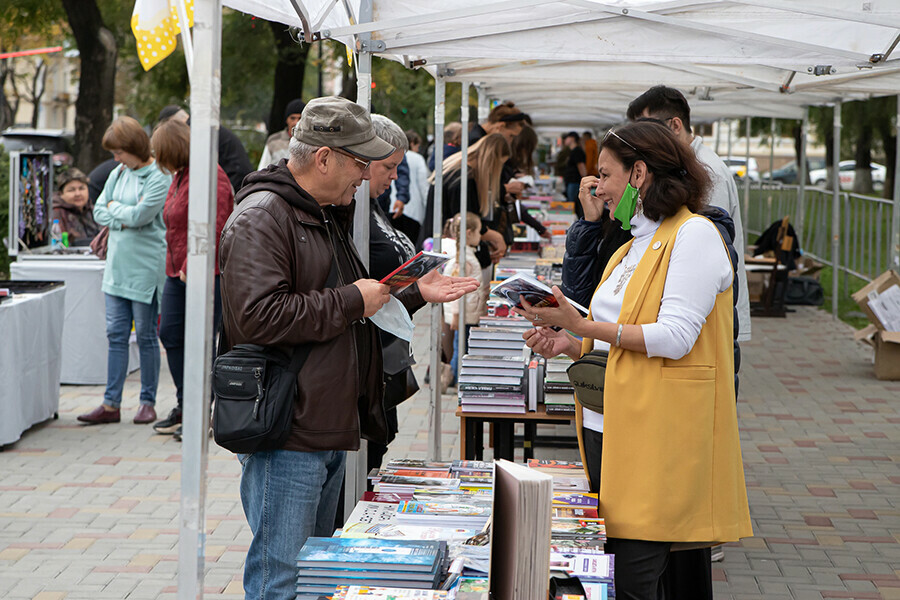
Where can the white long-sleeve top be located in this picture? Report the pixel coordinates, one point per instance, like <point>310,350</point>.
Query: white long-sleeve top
<point>699,270</point>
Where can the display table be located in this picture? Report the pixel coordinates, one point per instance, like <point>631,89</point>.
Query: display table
<point>472,427</point>
<point>30,360</point>
<point>84,345</point>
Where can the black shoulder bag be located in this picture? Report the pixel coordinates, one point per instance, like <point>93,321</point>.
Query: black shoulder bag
<point>254,389</point>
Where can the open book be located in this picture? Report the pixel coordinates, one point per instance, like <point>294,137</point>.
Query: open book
<point>536,293</point>
<point>520,533</point>
<point>418,266</point>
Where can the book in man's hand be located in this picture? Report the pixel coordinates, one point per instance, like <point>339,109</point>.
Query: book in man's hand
<point>536,293</point>
<point>418,266</point>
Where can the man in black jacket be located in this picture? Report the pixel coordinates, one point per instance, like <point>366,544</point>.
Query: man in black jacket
<point>232,157</point>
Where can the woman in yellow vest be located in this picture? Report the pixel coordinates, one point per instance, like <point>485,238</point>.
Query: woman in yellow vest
<point>671,475</point>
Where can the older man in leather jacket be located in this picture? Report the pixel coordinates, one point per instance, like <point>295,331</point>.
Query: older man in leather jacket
<point>279,253</point>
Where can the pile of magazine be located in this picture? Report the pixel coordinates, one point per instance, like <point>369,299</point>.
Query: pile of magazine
<point>325,563</point>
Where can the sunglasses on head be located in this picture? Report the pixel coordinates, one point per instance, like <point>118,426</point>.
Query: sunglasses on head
<point>621,139</point>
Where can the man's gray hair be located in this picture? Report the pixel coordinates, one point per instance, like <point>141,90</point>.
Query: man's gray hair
<point>301,154</point>
<point>390,132</point>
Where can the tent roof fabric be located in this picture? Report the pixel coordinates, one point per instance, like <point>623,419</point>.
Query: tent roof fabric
<point>582,59</point>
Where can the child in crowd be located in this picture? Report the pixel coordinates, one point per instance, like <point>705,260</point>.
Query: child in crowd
<point>476,302</point>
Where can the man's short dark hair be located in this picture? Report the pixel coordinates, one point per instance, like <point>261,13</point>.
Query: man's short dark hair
<point>571,134</point>
<point>587,135</point>
<point>167,112</point>
<point>663,103</point>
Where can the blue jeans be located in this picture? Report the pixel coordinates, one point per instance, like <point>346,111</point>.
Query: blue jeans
<point>171,328</point>
<point>287,497</point>
<point>120,312</point>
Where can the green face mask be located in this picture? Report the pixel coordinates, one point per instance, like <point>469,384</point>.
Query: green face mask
<point>625,209</point>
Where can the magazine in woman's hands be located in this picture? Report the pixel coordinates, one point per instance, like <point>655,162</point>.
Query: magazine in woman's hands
<point>536,293</point>
<point>418,266</point>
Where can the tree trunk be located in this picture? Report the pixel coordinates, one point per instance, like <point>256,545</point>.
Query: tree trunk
<point>889,141</point>
<point>8,105</point>
<point>829,149</point>
<point>797,131</point>
<point>348,81</point>
<point>289,72</point>
<point>38,85</point>
<point>862,180</point>
<point>97,81</point>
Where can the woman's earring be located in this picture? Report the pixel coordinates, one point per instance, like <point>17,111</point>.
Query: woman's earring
<point>640,205</point>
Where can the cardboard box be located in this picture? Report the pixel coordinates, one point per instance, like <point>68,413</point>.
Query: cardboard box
<point>887,355</point>
<point>866,335</point>
<point>807,267</point>
<point>887,284</point>
<point>757,281</point>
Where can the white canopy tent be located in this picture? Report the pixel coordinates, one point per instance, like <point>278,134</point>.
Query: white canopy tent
<point>572,62</point>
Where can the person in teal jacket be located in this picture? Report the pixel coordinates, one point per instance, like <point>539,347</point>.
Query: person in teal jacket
<point>131,206</point>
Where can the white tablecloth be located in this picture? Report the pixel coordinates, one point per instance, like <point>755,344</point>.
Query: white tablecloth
<point>31,327</point>
<point>84,345</point>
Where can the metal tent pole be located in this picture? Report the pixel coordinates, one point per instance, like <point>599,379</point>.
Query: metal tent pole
<point>895,211</point>
<point>463,213</point>
<point>771,152</point>
<point>836,209</point>
<point>198,335</point>
<point>802,177</point>
<point>357,462</point>
<point>746,186</point>
<point>434,435</point>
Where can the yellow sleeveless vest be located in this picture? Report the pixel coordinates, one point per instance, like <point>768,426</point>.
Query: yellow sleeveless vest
<point>672,467</point>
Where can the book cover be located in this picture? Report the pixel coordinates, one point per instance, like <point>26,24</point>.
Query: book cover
<point>579,499</point>
<point>596,567</point>
<point>406,532</point>
<point>373,512</point>
<point>491,380</point>
<point>498,344</point>
<point>356,592</point>
<point>417,463</point>
<point>418,481</point>
<point>490,408</point>
<point>443,474</point>
<point>374,554</point>
<point>480,387</point>
<point>535,463</point>
<point>571,512</point>
<point>503,362</point>
<point>472,465</point>
<point>443,509</point>
<point>386,497</point>
<point>512,371</point>
<point>562,527</point>
<point>536,293</point>
<point>418,266</point>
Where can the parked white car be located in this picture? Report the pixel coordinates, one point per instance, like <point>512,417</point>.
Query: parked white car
<point>738,167</point>
<point>847,174</point>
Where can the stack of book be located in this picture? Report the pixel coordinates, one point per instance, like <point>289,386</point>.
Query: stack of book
<point>559,395</point>
<point>492,384</point>
<point>500,340</point>
<point>568,476</point>
<point>592,567</point>
<point>581,533</point>
<point>325,563</point>
<point>469,512</point>
<point>404,476</point>
<point>355,592</point>
<point>475,476</point>
<point>575,505</point>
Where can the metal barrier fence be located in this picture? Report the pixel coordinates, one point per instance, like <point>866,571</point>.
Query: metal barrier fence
<point>865,226</point>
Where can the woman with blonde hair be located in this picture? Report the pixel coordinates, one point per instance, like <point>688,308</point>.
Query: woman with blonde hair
<point>485,160</point>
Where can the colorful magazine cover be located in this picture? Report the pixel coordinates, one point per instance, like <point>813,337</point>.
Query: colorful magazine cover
<point>536,293</point>
<point>418,266</point>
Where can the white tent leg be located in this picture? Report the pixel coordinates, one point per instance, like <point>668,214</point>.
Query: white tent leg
<point>434,435</point>
<point>771,152</point>
<point>836,210</point>
<point>358,462</point>
<point>198,335</point>
<point>746,185</point>
<point>484,105</point>
<point>895,212</point>
<point>802,177</point>
<point>463,213</point>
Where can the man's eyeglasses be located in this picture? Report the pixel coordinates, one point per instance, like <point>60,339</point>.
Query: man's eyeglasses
<point>364,164</point>
<point>621,139</point>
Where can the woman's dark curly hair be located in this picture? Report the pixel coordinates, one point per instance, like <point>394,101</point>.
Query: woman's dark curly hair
<point>679,179</point>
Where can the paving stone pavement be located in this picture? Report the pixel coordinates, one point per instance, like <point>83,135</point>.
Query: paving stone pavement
<point>92,512</point>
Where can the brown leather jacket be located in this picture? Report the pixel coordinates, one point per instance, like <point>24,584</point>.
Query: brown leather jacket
<point>275,257</point>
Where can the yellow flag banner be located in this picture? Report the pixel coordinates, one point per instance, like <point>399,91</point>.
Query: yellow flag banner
<point>155,24</point>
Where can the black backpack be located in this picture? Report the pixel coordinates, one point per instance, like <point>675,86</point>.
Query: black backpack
<point>804,290</point>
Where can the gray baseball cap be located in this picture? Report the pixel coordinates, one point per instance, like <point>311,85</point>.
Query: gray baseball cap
<point>339,123</point>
